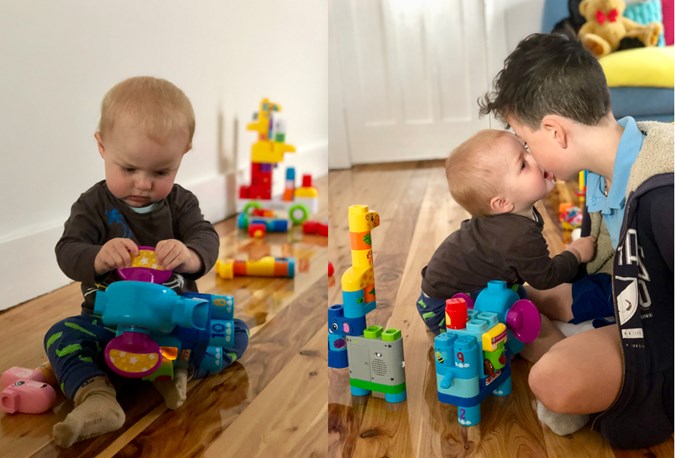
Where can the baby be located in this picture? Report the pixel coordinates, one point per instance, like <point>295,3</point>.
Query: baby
<point>146,127</point>
<point>494,177</point>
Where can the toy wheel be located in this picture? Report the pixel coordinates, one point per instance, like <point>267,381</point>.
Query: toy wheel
<point>133,354</point>
<point>298,214</point>
<point>469,301</point>
<point>249,206</point>
<point>523,320</point>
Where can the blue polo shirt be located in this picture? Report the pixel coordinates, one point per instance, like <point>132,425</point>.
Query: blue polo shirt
<point>612,206</point>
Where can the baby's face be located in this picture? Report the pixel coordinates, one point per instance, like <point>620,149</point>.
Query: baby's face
<point>138,169</point>
<point>524,181</point>
<point>544,147</point>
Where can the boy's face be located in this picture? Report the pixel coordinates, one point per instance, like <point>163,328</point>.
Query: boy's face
<point>544,148</point>
<point>524,182</point>
<point>138,169</point>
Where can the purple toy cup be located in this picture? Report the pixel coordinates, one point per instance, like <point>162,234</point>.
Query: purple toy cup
<point>147,274</point>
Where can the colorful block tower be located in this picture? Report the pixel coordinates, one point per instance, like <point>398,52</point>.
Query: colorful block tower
<point>358,287</point>
<point>473,355</point>
<point>267,152</point>
<point>472,360</point>
<point>374,355</point>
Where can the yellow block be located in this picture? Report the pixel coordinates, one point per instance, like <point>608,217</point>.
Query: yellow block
<point>492,337</point>
<point>270,152</point>
<point>361,219</point>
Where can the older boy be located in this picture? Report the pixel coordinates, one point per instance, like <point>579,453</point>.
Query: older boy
<point>146,127</point>
<point>554,95</point>
<point>495,178</point>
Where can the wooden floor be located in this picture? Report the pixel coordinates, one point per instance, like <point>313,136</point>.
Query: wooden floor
<point>416,214</point>
<point>280,399</point>
<point>270,403</point>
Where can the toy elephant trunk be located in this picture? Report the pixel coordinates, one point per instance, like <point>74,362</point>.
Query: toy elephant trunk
<point>150,306</point>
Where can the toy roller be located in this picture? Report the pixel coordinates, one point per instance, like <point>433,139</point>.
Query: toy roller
<point>523,320</point>
<point>467,299</point>
<point>133,354</point>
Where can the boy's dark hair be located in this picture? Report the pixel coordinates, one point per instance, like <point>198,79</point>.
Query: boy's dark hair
<point>549,74</point>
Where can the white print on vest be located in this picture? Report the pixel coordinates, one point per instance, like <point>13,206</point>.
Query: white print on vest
<point>626,300</point>
<point>630,253</point>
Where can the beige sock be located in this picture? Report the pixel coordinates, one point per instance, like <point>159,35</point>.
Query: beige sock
<point>173,391</point>
<point>96,412</point>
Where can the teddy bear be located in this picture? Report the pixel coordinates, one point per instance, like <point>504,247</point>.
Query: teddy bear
<point>606,26</point>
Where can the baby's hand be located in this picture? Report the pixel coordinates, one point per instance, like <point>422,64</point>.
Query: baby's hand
<point>114,254</point>
<point>174,255</point>
<point>583,248</point>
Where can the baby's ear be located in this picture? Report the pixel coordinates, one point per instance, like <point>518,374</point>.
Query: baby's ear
<point>99,143</point>
<point>500,204</point>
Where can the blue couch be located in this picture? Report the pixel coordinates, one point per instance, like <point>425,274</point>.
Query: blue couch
<point>653,102</point>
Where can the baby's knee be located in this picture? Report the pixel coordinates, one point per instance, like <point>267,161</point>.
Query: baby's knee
<point>549,381</point>
<point>241,336</point>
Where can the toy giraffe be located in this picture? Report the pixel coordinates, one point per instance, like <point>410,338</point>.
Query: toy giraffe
<point>358,287</point>
<point>271,146</point>
<point>358,282</point>
<point>374,355</point>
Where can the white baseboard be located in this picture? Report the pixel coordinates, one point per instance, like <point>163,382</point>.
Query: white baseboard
<point>29,267</point>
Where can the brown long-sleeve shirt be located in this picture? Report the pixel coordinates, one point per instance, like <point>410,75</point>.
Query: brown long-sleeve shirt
<point>505,247</point>
<point>97,216</point>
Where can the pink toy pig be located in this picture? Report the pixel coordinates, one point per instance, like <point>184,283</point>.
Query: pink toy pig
<point>27,390</point>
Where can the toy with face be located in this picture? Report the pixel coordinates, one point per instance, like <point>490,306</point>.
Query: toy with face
<point>606,26</point>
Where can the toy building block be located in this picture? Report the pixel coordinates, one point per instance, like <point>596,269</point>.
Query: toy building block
<point>339,327</point>
<point>266,153</point>
<point>358,282</point>
<point>257,230</point>
<point>521,317</point>
<point>254,213</point>
<point>358,287</point>
<point>27,390</point>
<point>271,146</point>
<point>570,216</point>
<point>376,363</point>
<point>307,190</point>
<point>167,331</point>
<point>267,266</point>
<point>581,191</point>
<point>289,188</point>
<point>315,227</point>
<point>472,360</point>
<point>262,223</point>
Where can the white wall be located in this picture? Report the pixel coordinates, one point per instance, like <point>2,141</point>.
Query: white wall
<point>60,57</point>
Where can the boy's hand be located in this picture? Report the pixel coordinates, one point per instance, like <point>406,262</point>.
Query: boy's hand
<point>583,248</point>
<point>114,254</point>
<point>174,255</point>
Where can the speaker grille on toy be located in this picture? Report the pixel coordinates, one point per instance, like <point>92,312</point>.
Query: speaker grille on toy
<point>379,367</point>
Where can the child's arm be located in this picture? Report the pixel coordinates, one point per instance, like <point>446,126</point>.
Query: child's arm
<point>583,248</point>
<point>82,240</point>
<point>196,234</point>
<point>533,263</point>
